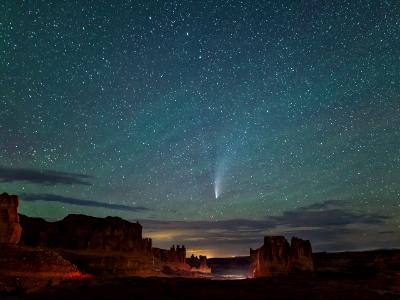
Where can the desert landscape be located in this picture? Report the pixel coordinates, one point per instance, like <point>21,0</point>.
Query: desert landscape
<point>85,257</point>
<point>200,149</point>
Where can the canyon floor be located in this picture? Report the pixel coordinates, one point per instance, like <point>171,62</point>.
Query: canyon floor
<point>349,275</point>
<point>292,287</point>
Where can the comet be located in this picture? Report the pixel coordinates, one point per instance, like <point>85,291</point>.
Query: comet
<point>217,187</point>
<point>219,176</point>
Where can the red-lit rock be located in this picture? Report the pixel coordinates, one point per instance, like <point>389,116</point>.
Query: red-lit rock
<point>31,268</point>
<point>172,261</point>
<point>272,258</point>
<point>301,258</point>
<point>110,245</point>
<point>10,229</point>
<point>101,246</point>
<point>276,257</point>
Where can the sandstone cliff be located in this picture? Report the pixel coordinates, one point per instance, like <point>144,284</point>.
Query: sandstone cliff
<point>101,246</point>
<point>104,246</point>
<point>80,232</point>
<point>301,258</point>
<point>277,257</point>
<point>172,261</point>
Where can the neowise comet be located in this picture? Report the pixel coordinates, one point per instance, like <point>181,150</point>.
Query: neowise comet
<point>217,186</point>
<point>219,177</point>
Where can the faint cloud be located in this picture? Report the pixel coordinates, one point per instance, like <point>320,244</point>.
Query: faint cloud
<point>77,201</point>
<point>330,225</point>
<point>329,217</point>
<point>43,177</point>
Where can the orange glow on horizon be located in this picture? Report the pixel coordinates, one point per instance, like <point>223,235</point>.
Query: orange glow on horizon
<point>196,252</point>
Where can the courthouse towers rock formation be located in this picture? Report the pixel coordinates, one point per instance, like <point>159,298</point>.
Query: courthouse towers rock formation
<point>277,257</point>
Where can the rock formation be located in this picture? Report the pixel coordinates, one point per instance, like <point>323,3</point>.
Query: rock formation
<point>173,255</point>
<point>101,246</point>
<point>104,246</point>
<point>277,257</point>
<point>80,232</point>
<point>172,261</point>
<point>272,258</point>
<point>198,264</point>
<point>108,245</point>
<point>301,258</point>
<point>10,230</point>
<point>32,268</point>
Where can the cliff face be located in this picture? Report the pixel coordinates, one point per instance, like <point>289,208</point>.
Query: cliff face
<point>109,246</point>
<point>80,232</point>
<point>10,230</point>
<point>172,260</point>
<point>301,258</point>
<point>272,258</point>
<point>103,246</point>
<point>277,257</point>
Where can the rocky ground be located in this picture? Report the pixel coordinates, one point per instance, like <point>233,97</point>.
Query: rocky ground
<point>35,273</point>
<point>302,287</point>
<point>112,264</point>
<point>23,269</point>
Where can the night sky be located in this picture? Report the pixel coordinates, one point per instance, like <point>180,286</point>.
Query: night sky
<point>212,122</point>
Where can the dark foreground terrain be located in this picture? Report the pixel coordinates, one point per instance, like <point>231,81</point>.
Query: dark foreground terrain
<point>339,276</point>
<point>293,287</point>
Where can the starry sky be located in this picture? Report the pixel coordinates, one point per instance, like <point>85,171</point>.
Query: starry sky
<point>212,122</point>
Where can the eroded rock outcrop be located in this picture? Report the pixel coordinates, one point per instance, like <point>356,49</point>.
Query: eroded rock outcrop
<point>10,229</point>
<point>172,261</point>
<point>101,246</point>
<point>300,258</point>
<point>276,257</point>
<point>272,258</point>
<point>80,232</point>
<point>104,246</point>
<point>198,264</point>
<point>173,255</point>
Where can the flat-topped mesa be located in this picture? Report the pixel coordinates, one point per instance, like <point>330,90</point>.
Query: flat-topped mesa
<point>80,232</point>
<point>10,229</point>
<point>276,257</point>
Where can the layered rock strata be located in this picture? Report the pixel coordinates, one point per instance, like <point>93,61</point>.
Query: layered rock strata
<point>80,232</point>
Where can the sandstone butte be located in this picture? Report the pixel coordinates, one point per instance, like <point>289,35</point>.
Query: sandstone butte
<point>277,257</point>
